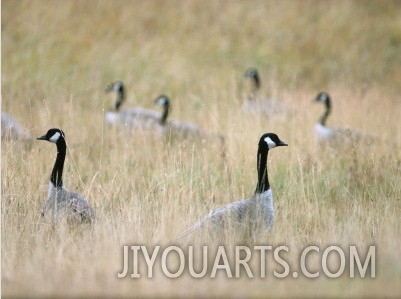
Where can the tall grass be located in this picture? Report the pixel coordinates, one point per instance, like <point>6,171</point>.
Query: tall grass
<point>57,57</point>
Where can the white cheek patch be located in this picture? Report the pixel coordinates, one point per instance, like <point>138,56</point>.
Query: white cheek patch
<point>162,101</point>
<point>270,143</point>
<point>55,137</point>
<point>117,86</point>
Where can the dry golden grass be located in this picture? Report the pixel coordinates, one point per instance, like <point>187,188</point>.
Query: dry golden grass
<point>57,57</point>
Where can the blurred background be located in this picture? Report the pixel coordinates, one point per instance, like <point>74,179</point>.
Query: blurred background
<point>58,57</point>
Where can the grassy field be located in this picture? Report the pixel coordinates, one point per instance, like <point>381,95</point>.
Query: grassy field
<point>57,58</point>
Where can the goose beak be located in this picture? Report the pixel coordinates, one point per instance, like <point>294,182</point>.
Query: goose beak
<point>282,144</point>
<point>41,137</point>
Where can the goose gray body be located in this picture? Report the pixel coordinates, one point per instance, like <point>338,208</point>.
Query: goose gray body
<point>252,216</point>
<point>257,105</point>
<point>61,203</point>
<point>10,128</point>
<point>135,118</point>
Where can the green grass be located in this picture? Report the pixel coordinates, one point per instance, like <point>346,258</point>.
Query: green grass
<point>57,58</point>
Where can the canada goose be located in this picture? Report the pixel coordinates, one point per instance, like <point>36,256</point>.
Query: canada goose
<point>137,118</point>
<point>173,126</point>
<point>251,216</point>
<point>335,136</point>
<point>11,129</point>
<point>60,202</point>
<point>262,106</point>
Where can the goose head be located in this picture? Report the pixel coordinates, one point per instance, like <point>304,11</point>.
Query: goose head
<point>53,135</point>
<point>323,97</point>
<point>118,88</point>
<point>163,101</point>
<point>270,140</point>
<point>253,74</point>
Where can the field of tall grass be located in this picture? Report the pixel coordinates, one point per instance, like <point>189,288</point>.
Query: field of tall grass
<point>57,58</point>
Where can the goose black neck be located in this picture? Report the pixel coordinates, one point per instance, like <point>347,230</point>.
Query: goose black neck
<point>120,97</point>
<point>256,81</point>
<point>263,179</point>
<point>256,87</point>
<point>326,113</point>
<point>56,176</point>
<point>166,110</point>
